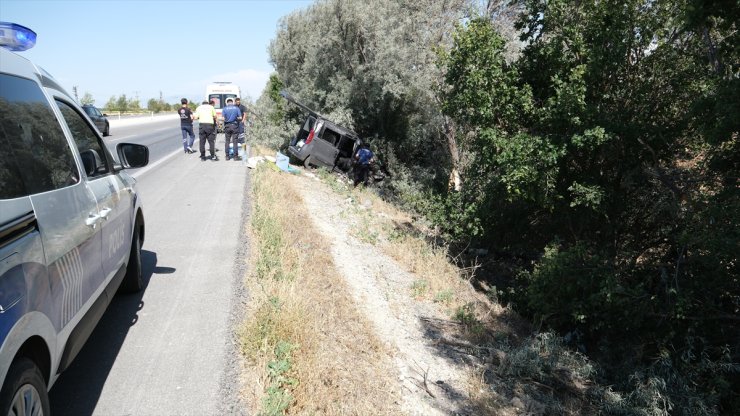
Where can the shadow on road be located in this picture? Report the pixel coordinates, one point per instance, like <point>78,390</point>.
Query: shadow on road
<point>78,389</point>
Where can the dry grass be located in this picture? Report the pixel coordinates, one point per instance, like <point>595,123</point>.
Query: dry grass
<point>310,350</point>
<point>438,279</point>
<point>523,372</point>
<point>336,364</point>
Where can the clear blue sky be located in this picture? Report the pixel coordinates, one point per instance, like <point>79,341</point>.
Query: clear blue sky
<point>143,47</point>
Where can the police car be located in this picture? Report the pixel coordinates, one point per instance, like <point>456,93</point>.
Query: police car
<point>71,227</point>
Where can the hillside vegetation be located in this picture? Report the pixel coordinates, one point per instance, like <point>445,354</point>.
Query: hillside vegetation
<point>354,311</point>
<point>589,148</point>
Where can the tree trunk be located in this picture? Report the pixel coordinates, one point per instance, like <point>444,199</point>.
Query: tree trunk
<point>455,182</point>
<point>712,54</point>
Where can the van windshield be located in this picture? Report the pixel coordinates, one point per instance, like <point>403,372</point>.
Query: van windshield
<point>219,100</point>
<point>215,99</point>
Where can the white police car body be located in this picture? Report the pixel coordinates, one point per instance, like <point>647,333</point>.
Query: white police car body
<point>71,227</point>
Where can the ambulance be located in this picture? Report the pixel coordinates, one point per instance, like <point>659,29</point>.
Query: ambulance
<point>218,92</point>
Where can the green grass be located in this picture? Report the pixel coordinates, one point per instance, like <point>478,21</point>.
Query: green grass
<point>265,337</point>
<point>465,314</point>
<point>445,297</point>
<point>329,178</point>
<point>278,397</point>
<point>365,231</point>
<point>420,288</point>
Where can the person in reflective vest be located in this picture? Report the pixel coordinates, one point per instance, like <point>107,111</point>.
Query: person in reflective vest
<point>206,116</point>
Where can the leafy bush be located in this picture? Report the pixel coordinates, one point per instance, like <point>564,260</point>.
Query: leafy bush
<point>574,288</point>
<point>278,397</point>
<point>542,358</point>
<point>672,386</point>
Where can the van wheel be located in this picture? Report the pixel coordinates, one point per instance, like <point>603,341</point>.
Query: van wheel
<point>133,281</point>
<point>24,392</point>
<point>307,162</point>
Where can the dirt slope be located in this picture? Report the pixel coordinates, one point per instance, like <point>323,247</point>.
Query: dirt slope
<point>433,379</point>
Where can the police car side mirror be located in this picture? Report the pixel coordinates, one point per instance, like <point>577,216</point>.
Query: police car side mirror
<point>132,155</point>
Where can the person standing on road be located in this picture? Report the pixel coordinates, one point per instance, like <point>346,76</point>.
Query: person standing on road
<point>363,158</point>
<point>186,125</point>
<point>206,115</point>
<point>243,123</point>
<point>232,117</point>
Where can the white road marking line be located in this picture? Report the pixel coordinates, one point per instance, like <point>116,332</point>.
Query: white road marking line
<point>155,164</point>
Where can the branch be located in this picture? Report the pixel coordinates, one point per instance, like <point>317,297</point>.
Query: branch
<point>721,317</point>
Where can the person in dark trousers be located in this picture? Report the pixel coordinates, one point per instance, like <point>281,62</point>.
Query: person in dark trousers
<point>232,118</point>
<point>186,125</point>
<point>363,159</point>
<point>206,115</point>
<point>243,123</point>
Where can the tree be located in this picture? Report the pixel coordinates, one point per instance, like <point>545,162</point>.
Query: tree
<point>153,105</point>
<point>503,15</point>
<point>159,105</point>
<point>133,105</point>
<point>111,104</point>
<point>87,98</point>
<point>373,68</point>
<point>608,151</point>
<point>122,103</point>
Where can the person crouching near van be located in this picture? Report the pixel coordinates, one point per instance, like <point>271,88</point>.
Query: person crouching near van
<point>363,158</point>
<point>206,115</point>
<point>232,117</point>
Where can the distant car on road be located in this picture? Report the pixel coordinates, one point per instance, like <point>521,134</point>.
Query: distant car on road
<point>100,119</point>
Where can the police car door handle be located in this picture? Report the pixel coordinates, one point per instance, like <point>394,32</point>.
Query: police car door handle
<point>105,212</point>
<point>92,220</point>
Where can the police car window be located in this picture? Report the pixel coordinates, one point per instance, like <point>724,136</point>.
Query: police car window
<point>10,184</point>
<point>91,150</point>
<point>35,155</point>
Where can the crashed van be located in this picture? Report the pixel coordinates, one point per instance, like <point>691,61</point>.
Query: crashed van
<point>321,142</point>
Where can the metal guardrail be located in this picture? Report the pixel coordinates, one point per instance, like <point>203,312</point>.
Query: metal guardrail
<point>136,119</point>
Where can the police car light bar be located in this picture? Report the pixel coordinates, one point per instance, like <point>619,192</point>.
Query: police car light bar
<point>16,37</point>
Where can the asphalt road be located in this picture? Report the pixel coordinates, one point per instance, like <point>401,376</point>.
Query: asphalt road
<point>169,350</point>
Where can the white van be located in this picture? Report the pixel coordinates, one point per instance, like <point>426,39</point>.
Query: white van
<point>218,93</point>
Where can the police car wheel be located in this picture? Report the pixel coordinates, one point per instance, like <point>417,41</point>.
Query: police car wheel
<point>24,392</point>
<point>133,281</point>
<point>307,162</point>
